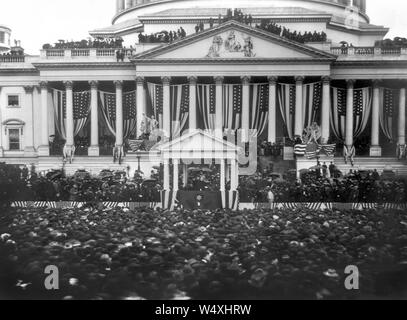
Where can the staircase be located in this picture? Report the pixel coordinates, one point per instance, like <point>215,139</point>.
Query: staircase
<point>380,164</point>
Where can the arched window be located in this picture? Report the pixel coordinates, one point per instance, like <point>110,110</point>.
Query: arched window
<point>14,131</point>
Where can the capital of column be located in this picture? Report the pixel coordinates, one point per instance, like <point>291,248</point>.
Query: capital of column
<point>166,81</point>
<point>219,80</point>
<point>326,80</point>
<point>29,89</point>
<point>140,81</point>
<point>44,85</point>
<point>245,80</point>
<point>272,80</point>
<point>376,83</point>
<point>299,79</point>
<point>350,83</point>
<point>94,84</point>
<point>193,80</point>
<point>68,85</point>
<point>118,84</point>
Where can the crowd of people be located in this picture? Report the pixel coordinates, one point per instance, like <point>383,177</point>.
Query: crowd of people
<point>24,184</point>
<point>98,43</point>
<point>257,254</point>
<point>324,184</point>
<point>272,27</point>
<point>397,42</point>
<point>163,36</point>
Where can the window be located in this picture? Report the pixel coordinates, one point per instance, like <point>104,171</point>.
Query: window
<point>14,139</point>
<point>13,100</point>
<point>2,37</point>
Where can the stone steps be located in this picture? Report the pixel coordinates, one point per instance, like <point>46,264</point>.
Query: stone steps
<point>380,164</point>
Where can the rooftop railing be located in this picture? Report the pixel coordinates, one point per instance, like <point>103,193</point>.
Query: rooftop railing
<point>78,53</point>
<point>368,51</point>
<point>12,59</point>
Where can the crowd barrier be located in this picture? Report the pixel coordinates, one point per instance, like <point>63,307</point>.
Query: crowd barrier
<point>248,206</point>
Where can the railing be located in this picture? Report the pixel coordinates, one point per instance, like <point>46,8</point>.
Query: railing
<point>106,52</point>
<point>12,59</point>
<point>80,53</point>
<point>55,53</point>
<point>368,51</point>
<point>391,51</point>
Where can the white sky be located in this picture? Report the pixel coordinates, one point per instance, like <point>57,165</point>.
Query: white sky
<point>36,22</point>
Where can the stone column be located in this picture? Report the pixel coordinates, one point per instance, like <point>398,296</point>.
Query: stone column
<point>29,150</point>
<point>120,5</point>
<point>69,114</point>
<point>192,103</point>
<point>166,185</point>
<point>272,133</point>
<point>234,181</point>
<point>175,163</point>
<point>141,105</point>
<point>222,175</point>
<point>1,137</point>
<point>185,170</point>
<point>129,4</point>
<point>166,107</point>
<point>245,108</point>
<point>43,150</point>
<point>299,122</point>
<point>326,109</point>
<point>219,107</point>
<point>119,113</point>
<point>349,113</point>
<point>402,118</point>
<point>94,120</point>
<point>375,149</point>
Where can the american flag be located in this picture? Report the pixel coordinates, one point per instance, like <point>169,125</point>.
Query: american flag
<point>312,103</point>
<point>81,103</point>
<point>362,104</point>
<point>388,112</point>
<point>286,101</point>
<point>206,98</point>
<point>179,97</point>
<point>155,101</point>
<point>232,110</point>
<point>338,112</point>
<point>129,113</point>
<point>259,107</point>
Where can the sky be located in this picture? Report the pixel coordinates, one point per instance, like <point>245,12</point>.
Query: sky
<point>36,22</point>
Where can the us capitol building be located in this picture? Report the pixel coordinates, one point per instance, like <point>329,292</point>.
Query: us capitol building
<point>274,66</point>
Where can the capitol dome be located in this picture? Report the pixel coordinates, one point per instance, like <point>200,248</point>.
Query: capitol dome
<point>341,20</point>
<point>5,34</point>
<point>127,9</point>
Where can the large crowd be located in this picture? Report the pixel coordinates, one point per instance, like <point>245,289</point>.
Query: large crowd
<point>324,184</point>
<point>272,27</point>
<point>147,254</point>
<point>163,36</point>
<point>25,184</point>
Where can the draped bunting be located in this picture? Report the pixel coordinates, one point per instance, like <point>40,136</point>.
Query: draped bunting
<point>155,101</point>
<point>338,112</point>
<point>206,98</point>
<point>389,100</point>
<point>362,106</point>
<point>179,104</point>
<point>259,107</point>
<point>232,107</point>
<point>312,102</point>
<point>108,108</point>
<point>286,102</point>
<point>81,110</point>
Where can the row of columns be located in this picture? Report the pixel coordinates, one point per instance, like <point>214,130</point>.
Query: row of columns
<point>166,81</point>
<point>228,170</point>
<point>122,5</point>
<point>94,141</point>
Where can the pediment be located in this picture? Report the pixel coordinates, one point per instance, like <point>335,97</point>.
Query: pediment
<point>232,41</point>
<point>198,141</point>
